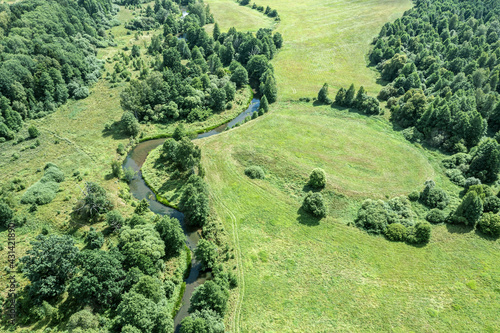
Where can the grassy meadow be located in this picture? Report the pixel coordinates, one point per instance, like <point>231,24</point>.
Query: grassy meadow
<point>298,274</point>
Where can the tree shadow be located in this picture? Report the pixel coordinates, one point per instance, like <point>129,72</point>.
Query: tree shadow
<point>109,176</point>
<point>485,236</point>
<point>115,131</point>
<point>458,228</point>
<point>307,219</point>
<point>309,188</point>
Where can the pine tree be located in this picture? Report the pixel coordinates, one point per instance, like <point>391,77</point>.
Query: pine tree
<point>470,210</point>
<point>359,97</point>
<point>349,96</point>
<point>216,32</point>
<point>339,99</point>
<point>323,95</point>
<point>264,106</point>
<point>269,88</point>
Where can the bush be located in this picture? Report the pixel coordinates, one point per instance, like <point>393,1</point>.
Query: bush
<point>435,216</point>
<point>172,235</point>
<point>315,205</point>
<point>255,172</point>
<point>40,193</point>
<point>414,196</point>
<point>456,176</point>
<point>470,182</point>
<point>121,149</point>
<point>94,239</point>
<point>209,296</point>
<point>396,232</point>
<point>33,132</point>
<point>372,216</point>
<point>52,174</point>
<point>6,214</point>
<point>420,234</point>
<point>206,252</point>
<point>114,220</point>
<point>433,197</point>
<point>490,224</point>
<point>491,204</point>
<point>317,178</point>
<point>469,211</point>
<point>84,320</point>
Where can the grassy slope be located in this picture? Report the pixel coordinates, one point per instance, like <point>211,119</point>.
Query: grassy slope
<point>305,275</point>
<point>298,275</point>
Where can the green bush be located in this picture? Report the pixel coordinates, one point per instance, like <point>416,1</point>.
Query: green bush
<point>456,176</point>
<point>84,320</point>
<point>491,204</point>
<point>52,174</point>
<point>317,178</point>
<point>6,214</point>
<point>396,232</point>
<point>94,239</point>
<point>40,193</point>
<point>114,220</point>
<point>206,252</point>
<point>33,132</point>
<point>372,216</point>
<point>490,224</point>
<point>315,205</point>
<point>255,172</point>
<point>433,197</point>
<point>116,169</point>
<point>435,216</point>
<point>420,234</point>
<point>414,196</point>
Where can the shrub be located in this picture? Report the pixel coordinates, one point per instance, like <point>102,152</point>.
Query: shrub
<point>121,149</point>
<point>84,320</point>
<point>6,214</point>
<point>490,224</point>
<point>414,196</point>
<point>315,205</point>
<point>52,174</point>
<point>396,232</point>
<point>33,132</point>
<point>116,169</point>
<point>94,239</point>
<point>129,174</point>
<point>456,176</point>
<point>114,220</point>
<point>470,182</point>
<point>435,216</point>
<point>469,211</point>
<point>491,204</point>
<point>142,208</point>
<point>255,172</point>
<point>419,234</point>
<point>206,252</point>
<point>317,178</point>
<point>372,216</point>
<point>40,193</point>
<point>433,197</point>
<point>209,296</point>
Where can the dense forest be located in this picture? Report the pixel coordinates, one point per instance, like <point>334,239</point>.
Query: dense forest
<point>196,74</point>
<point>48,55</point>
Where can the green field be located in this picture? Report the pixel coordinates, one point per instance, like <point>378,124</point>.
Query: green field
<point>324,41</point>
<point>298,274</point>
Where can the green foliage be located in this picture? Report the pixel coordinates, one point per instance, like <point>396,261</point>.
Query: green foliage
<point>116,169</point>
<point>255,172</point>
<point>315,205</point>
<point>420,234</point>
<point>491,204</point>
<point>142,208</point>
<point>114,220</point>
<point>100,278</point>
<point>94,239</point>
<point>469,211</point>
<point>194,201</point>
<point>209,296</point>
<point>142,248</point>
<point>435,216</point>
<point>49,264</point>
<point>33,132</point>
<point>490,224</point>
<point>264,105</point>
<point>323,95</point>
<point>414,196</point>
<point>206,252</point>
<point>143,314</point>
<point>6,213</point>
<point>129,124</point>
<point>150,287</point>
<point>45,190</point>
<point>339,98</point>
<point>203,321</point>
<point>172,235</point>
<point>485,163</point>
<point>396,232</point>
<point>349,96</point>
<point>83,320</point>
<point>317,178</point>
<point>95,201</point>
<point>434,197</point>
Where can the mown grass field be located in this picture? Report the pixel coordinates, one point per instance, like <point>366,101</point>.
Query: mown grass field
<point>299,274</point>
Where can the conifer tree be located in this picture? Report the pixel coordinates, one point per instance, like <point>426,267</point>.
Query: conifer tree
<point>349,96</point>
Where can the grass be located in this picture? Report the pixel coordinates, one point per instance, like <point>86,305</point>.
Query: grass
<point>298,274</point>
<point>228,13</point>
<point>325,41</point>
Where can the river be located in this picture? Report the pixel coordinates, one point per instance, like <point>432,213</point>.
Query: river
<point>135,159</point>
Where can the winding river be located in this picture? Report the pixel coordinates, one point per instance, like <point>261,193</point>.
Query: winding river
<point>140,190</point>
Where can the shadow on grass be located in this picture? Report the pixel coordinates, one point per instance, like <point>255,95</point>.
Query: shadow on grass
<point>115,131</point>
<point>458,228</point>
<point>307,219</point>
<point>485,236</point>
<point>308,188</point>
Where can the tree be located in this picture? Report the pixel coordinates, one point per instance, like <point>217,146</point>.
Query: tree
<point>116,169</point>
<point>433,197</point>
<point>94,239</point>
<point>142,208</point>
<point>6,214</point>
<point>240,76</point>
<point>469,211</point>
<point>317,178</point>
<point>179,132</point>
<point>216,32</point>
<point>349,96</point>
<point>219,98</point>
<point>49,264</point>
<point>202,321</point>
<point>130,124</point>
<point>269,88</point>
<point>206,252</point>
<point>315,205</point>
<point>359,97</point>
<point>323,95</point>
<point>194,204</point>
<point>142,248</point>
<point>209,296</point>
<point>339,98</point>
<point>278,40</point>
<point>83,320</point>
<point>150,287</point>
<point>172,235</point>
<point>143,314</point>
<point>95,201</point>
<point>33,132</point>
<point>422,232</point>
<point>490,224</point>
<point>485,163</point>
<point>396,232</point>
<point>264,105</point>
<point>114,220</point>
<point>187,155</point>
<point>100,278</point>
